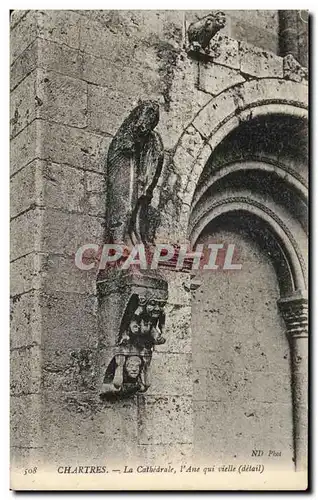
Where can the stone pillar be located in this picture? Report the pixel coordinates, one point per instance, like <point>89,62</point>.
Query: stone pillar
<point>295,313</point>
<point>293,34</point>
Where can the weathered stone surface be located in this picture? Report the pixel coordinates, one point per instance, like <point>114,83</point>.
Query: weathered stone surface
<point>200,384</point>
<point>224,384</point>
<point>67,370</point>
<point>293,70</point>
<point>259,27</point>
<point>272,387</point>
<point>24,147</point>
<point>25,421</point>
<point>213,113</point>
<point>185,100</point>
<point>59,182</point>
<point>60,58</point>
<point>178,288</point>
<point>50,96</point>
<point>166,453</point>
<point>51,185</point>
<point>103,42</point>
<point>171,374</point>
<point>255,34</point>
<point>269,90</point>
<point>224,51</point>
<point>23,34</point>
<point>61,274</point>
<point>214,78</point>
<point>22,458</point>
<point>65,233</point>
<point>25,372</point>
<point>26,274</point>
<point>100,427</point>
<point>141,24</point>
<point>237,367</point>
<point>61,26</point>
<point>174,415</point>
<point>268,420</point>
<point>101,103</point>
<point>16,16</point>
<point>222,131</point>
<point>116,77</point>
<point>241,377</point>
<point>61,98</point>
<point>24,64</point>
<point>25,320</point>
<point>78,148</point>
<point>25,234</point>
<point>178,331</point>
<point>23,104</point>
<point>259,63</point>
<point>95,194</point>
<point>124,36</point>
<point>266,19</point>
<point>59,330</point>
<point>197,168</point>
<point>27,183</point>
<point>181,159</point>
<point>191,143</point>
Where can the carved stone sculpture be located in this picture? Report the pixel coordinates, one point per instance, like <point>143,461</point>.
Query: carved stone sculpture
<point>131,302</point>
<point>134,163</point>
<point>145,322</point>
<point>140,330</point>
<point>200,32</point>
<point>123,376</point>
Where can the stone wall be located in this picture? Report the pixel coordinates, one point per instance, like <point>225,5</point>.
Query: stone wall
<point>242,389</point>
<point>75,75</point>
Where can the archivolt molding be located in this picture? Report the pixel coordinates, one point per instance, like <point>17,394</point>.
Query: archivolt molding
<point>281,231</point>
<point>291,178</point>
<point>258,158</point>
<point>228,110</point>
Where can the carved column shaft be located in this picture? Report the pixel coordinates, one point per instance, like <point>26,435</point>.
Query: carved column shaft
<point>295,313</point>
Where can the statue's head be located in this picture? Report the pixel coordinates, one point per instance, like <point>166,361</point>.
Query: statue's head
<point>154,308</point>
<point>134,326</point>
<point>220,19</point>
<point>133,366</point>
<point>215,22</point>
<point>147,117</point>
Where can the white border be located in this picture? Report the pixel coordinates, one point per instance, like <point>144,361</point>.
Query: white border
<point>4,172</point>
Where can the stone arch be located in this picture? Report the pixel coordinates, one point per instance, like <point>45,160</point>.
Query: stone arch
<point>290,251</point>
<point>213,126</point>
<point>279,169</point>
<point>207,207</point>
<point>220,116</point>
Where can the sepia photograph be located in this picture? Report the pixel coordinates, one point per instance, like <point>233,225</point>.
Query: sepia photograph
<point>159,166</point>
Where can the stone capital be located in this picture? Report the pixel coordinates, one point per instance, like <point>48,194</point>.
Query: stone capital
<point>294,310</point>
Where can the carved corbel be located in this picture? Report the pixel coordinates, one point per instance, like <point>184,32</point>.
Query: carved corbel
<point>126,364</point>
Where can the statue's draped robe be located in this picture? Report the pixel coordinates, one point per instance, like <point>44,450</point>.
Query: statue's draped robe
<point>134,164</point>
